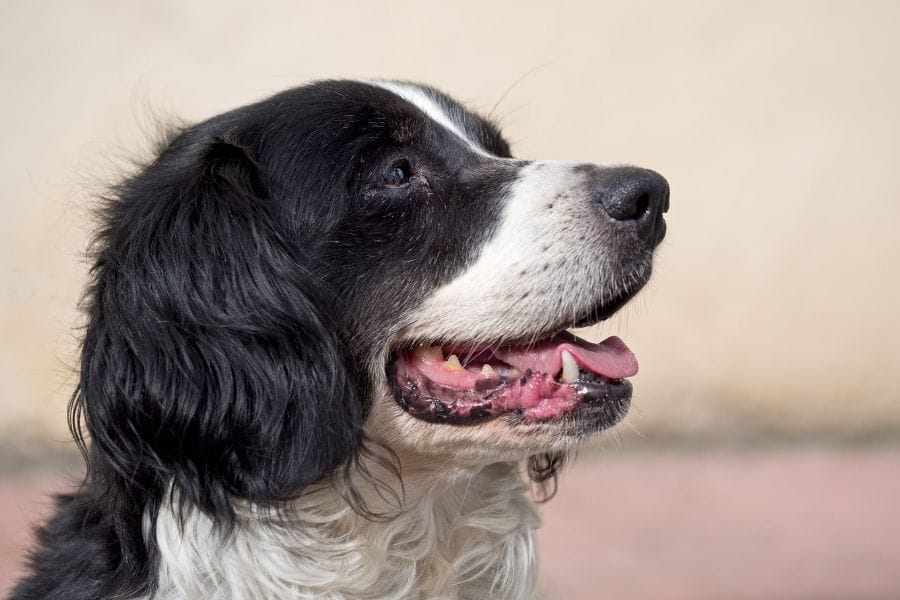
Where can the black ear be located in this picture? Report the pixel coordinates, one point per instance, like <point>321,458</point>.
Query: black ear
<point>209,359</point>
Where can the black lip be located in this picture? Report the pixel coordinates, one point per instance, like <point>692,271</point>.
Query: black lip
<point>603,407</point>
<point>603,404</point>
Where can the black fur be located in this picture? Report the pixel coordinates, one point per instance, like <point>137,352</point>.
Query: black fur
<point>241,281</point>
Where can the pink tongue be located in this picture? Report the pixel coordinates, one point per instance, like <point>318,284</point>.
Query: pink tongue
<point>611,358</point>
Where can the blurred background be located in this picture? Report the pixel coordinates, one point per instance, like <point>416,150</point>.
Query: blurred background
<point>761,458</point>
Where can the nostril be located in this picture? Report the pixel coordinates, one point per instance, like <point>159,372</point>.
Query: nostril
<point>641,206</point>
<point>628,202</point>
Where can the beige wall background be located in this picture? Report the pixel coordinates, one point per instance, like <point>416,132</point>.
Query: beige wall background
<point>774,310</point>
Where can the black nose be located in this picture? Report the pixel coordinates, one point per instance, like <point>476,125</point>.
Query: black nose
<point>633,197</point>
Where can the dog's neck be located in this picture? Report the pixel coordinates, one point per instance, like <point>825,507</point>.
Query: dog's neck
<point>466,536</point>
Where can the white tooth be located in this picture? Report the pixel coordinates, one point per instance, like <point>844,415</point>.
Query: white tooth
<point>430,353</point>
<point>452,363</point>
<point>488,371</point>
<point>569,368</point>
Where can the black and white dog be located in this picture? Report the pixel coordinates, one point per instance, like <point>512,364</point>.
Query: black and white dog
<point>325,344</point>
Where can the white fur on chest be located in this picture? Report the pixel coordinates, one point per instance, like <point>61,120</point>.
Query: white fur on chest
<point>470,539</point>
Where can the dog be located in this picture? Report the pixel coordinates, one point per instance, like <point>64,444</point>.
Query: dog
<point>326,348</point>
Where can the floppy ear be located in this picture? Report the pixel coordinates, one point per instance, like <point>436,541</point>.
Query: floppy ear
<point>208,359</point>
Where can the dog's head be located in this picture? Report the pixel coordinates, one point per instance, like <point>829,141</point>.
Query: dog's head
<point>352,260</point>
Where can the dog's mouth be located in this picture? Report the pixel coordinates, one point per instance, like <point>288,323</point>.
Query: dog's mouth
<point>552,379</point>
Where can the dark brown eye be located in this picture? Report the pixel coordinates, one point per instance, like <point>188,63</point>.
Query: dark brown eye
<point>398,175</point>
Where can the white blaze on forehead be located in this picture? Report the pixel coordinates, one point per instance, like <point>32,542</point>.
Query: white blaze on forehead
<point>432,108</point>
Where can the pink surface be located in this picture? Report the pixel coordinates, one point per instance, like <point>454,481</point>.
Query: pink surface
<point>778,525</point>
<point>799,524</point>
<point>611,358</point>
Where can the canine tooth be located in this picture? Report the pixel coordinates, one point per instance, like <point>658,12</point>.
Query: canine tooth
<point>488,371</point>
<point>432,353</point>
<point>452,363</point>
<point>570,368</point>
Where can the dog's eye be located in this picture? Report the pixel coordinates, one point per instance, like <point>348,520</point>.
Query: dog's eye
<point>398,175</point>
